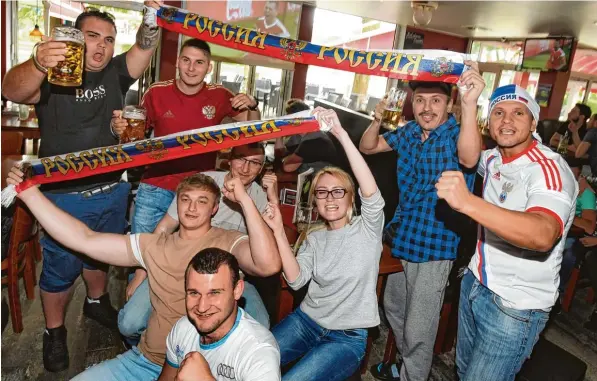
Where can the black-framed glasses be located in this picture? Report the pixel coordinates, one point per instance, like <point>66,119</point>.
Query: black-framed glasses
<point>337,193</point>
<point>253,164</point>
<point>97,10</point>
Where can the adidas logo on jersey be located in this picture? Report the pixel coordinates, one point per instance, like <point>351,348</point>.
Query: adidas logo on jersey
<point>496,176</point>
<point>168,114</point>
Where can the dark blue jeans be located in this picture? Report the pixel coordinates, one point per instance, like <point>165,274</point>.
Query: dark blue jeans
<point>102,212</point>
<point>327,355</point>
<point>493,340</point>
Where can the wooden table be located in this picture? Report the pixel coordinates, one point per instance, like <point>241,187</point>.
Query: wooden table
<point>9,160</point>
<point>29,129</point>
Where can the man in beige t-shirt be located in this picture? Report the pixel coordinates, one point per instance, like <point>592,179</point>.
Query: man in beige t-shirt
<point>165,257</point>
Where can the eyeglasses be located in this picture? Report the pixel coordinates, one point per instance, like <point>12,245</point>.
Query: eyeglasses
<point>337,193</point>
<point>253,164</point>
<point>97,10</point>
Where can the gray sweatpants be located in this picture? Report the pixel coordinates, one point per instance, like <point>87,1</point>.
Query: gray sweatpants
<point>413,300</point>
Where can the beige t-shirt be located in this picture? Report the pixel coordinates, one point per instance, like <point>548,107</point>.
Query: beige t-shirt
<point>166,257</point>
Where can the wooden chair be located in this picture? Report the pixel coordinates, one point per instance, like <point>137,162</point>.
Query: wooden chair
<point>12,143</point>
<point>23,246</point>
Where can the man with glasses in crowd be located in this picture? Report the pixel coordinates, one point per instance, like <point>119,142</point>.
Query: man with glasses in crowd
<point>76,119</point>
<point>246,164</point>
<point>176,105</point>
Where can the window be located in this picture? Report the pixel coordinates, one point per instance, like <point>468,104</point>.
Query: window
<point>28,15</point>
<point>267,90</point>
<point>497,52</point>
<point>355,91</point>
<point>575,93</point>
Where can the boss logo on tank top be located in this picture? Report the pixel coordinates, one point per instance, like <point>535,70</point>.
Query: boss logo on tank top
<point>89,95</point>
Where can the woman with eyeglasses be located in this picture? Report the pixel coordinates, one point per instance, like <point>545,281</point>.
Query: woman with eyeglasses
<point>328,332</point>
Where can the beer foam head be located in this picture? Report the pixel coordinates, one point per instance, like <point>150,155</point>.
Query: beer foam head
<point>66,33</point>
<point>517,94</point>
<point>133,115</point>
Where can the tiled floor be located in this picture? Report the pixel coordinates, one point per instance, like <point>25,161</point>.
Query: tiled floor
<point>90,343</point>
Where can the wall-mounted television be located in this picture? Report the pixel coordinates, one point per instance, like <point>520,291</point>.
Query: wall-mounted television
<point>547,54</point>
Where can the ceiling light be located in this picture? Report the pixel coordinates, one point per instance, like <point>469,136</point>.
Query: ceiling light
<point>423,11</point>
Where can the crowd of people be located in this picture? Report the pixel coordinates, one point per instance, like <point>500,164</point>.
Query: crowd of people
<point>196,232</point>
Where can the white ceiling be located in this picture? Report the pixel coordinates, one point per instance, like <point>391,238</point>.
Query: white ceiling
<point>504,19</point>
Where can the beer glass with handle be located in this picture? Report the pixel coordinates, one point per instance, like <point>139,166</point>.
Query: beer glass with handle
<point>70,71</point>
<point>393,111</point>
<point>135,129</point>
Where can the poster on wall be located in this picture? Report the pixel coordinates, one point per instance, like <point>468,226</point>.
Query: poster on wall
<point>279,18</point>
<point>543,94</point>
<point>413,40</point>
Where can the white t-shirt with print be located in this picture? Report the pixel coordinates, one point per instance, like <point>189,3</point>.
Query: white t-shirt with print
<point>248,352</point>
<point>229,215</point>
<point>536,180</point>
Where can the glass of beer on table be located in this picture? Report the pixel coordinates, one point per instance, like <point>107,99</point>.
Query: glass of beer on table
<point>70,71</point>
<point>393,111</point>
<point>135,130</point>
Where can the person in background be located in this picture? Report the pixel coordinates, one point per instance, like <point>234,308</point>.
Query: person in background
<point>424,232</point>
<point>557,57</point>
<point>585,218</point>
<point>575,126</point>
<point>591,266</point>
<point>270,23</point>
<point>313,150</point>
<point>589,145</point>
<point>77,119</point>
<point>246,164</point>
<point>524,214</point>
<point>217,338</point>
<point>327,334</point>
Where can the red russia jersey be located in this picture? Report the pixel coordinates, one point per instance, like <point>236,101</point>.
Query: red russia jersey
<point>169,111</point>
<point>276,29</point>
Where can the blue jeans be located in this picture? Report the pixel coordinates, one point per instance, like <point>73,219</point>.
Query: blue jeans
<point>102,212</point>
<point>133,317</point>
<point>327,355</point>
<point>151,204</point>
<point>493,340</point>
<point>128,366</point>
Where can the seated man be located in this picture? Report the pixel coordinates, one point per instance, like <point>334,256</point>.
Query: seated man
<point>246,164</point>
<point>524,214</point>
<point>217,339</point>
<point>164,256</point>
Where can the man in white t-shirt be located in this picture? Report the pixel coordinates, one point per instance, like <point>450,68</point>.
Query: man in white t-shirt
<point>217,340</point>
<point>524,214</point>
<point>246,163</point>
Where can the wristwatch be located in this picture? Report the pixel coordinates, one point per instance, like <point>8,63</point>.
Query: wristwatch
<point>36,62</point>
<point>254,108</point>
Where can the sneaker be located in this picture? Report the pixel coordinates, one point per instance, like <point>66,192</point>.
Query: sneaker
<point>55,349</point>
<point>386,372</point>
<point>101,311</point>
<point>591,324</point>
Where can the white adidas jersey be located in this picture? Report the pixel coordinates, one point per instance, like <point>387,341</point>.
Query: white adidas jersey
<point>249,352</point>
<point>537,179</point>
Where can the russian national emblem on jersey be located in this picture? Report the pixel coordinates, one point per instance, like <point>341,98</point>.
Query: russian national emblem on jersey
<point>209,112</point>
<point>506,188</point>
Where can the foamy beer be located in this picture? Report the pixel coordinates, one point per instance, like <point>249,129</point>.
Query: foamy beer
<point>135,117</point>
<point>70,71</point>
<point>393,111</point>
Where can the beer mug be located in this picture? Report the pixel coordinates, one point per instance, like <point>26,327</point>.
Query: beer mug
<point>393,111</point>
<point>70,71</point>
<point>135,130</point>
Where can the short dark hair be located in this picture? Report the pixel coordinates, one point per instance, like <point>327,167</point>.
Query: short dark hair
<point>296,105</point>
<point>254,146</point>
<point>584,110</point>
<point>209,260</point>
<point>442,86</point>
<point>197,44</point>
<point>104,16</point>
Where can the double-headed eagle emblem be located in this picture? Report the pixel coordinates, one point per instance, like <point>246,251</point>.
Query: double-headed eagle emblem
<point>292,48</point>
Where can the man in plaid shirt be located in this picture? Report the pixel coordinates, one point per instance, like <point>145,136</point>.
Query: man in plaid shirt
<point>424,232</point>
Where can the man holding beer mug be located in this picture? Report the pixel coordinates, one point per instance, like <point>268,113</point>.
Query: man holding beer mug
<point>423,232</point>
<point>74,108</point>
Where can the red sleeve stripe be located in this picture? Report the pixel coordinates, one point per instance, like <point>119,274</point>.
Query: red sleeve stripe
<point>549,212</point>
<point>533,158</point>
<point>552,165</point>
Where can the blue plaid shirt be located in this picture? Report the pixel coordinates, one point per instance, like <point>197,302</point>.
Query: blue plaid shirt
<point>424,228</point>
